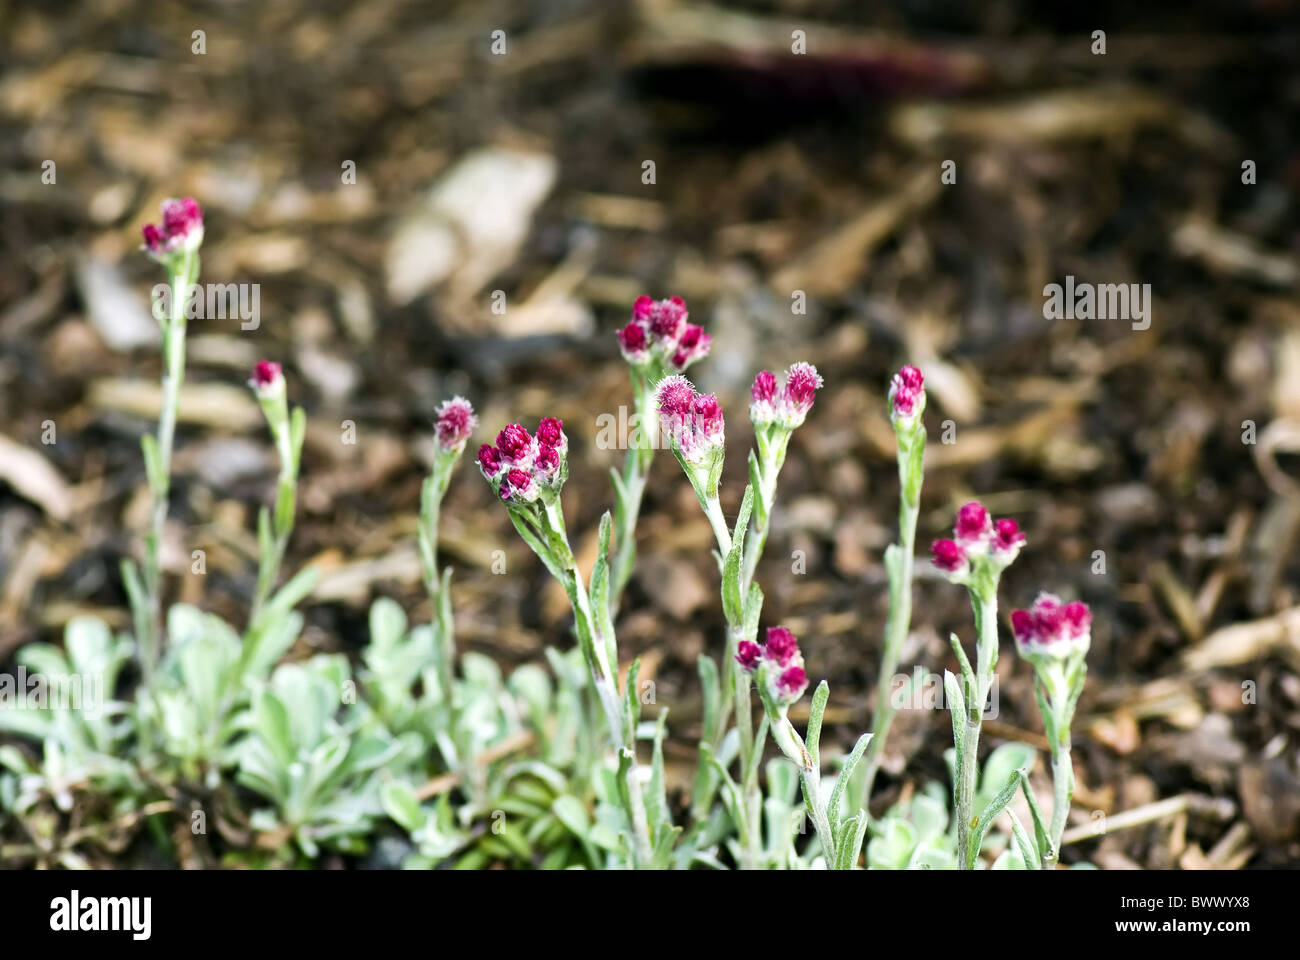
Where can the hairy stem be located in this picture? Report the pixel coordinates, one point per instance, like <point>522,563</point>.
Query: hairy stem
<point>604,680</point>
<point>1062,783</point>
<point>984,600</point>
<point>900,621</point>
<point>636,469</point>
<point>173,344</point>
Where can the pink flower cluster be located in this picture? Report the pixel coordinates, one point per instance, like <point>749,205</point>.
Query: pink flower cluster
<point>1051,627</point>
<point>906,393</point>
<point>694,420</point>
<point>456,421</point>
<point>521,466</point>
<point>787,679</point>
<point>976,534</point>
<point>182,225</point>
<point>659,329</point>
<point>789,405</point>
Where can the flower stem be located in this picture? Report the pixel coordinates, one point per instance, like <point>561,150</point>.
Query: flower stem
<point>286,494</point>
<point>596,648</point>
<point>765,467</point>
<point>435,584</point>
<point>182,276</point>
<point>718,521</point>
<point>792,745</point>
<point>1062,779</point>
<point>984,600</point>
<point>900,621</point>
<point>636,468</point>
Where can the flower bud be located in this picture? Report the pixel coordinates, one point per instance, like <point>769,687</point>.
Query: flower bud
<point>790,685</point>
<point>632,343</point>
<point>782,647</point>
<point>1007,540</point>
<point>782,673</point>
<point>906,395</point>
<point>550,432</point>
<point>456,421</point>
<point>951,558</point>
<point>802,381</point>
<point>749,655</point>
<point>788,405</point>
<point>267,378</point>
<point>973,528</point>
<point>489,460</point>
<point>1051,629</point>
<point>181,229</point>
<point>763,394</point>
<point>523,467</point>
<point>515,443</point>
<point>675,396</point>
<point>659,334</point>
<point>666,318</point>
<point>694,421</point>
<point>518,486</point>
<point>693,344</point>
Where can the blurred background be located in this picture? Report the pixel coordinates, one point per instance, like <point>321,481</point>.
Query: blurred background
<point>465,197</point>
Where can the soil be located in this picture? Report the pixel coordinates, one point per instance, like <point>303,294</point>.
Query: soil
<point>802,204</point>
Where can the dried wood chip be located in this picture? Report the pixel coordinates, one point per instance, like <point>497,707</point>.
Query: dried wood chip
<point>220,405</point>
<point>35,478</point>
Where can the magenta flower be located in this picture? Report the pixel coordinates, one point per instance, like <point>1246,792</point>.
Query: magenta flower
<point>749,655</point>
<point>666,317</point>
<point>659,331</point>
<point>551,431</point>
<point>523,467</point>
<point>266,377</point>
<point>949,556</point>
<point>515,443</point>
<point>547,465</point>
<point>1052,628</point>
<point>693,420</point>
<point>181,228</point>
<point>977,541</point>
<point>782,647</point>
<point>802,382</point>
<point>788,405</point>
<point>973,527</point>
<point>456,421</point>
<point>633,343</point>
<point>906,393</point>
<point>693,344</point>
<point>791,684</point>
<point>781,662</point>
<point>676,396</point>
<point>1007,540</point>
